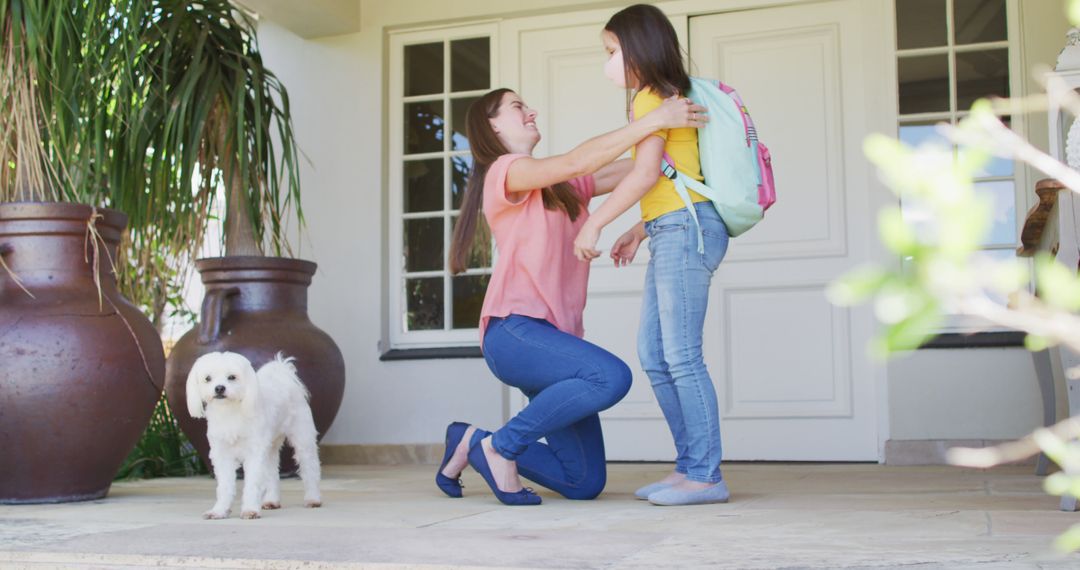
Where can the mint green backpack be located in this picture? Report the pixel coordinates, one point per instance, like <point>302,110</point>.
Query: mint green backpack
<point>736,166</point>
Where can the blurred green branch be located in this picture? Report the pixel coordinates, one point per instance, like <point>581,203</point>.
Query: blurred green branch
<point>943,270</point>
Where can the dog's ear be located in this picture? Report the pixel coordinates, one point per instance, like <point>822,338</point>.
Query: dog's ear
<point>194,400</point>
<point>251,390</point>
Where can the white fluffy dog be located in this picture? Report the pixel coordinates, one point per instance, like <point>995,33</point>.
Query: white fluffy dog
<point>249,416</point>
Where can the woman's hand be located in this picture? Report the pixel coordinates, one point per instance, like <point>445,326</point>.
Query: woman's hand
<point>585,243</point>
<point>626,247</point>
<point>678,112</point>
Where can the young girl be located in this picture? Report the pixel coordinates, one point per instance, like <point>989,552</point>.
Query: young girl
<point>530,323</point>
<point>645,57</point>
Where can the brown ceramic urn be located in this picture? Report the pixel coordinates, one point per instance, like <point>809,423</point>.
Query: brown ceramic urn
<point>257,306</point>
<point>80,373</point>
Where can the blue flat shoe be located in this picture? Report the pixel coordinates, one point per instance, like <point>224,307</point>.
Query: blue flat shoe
<point>452,487</point>
<point>479,462</point>
<point>644,492</point>
<point>671,496</point>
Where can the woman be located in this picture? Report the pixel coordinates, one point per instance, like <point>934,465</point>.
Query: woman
<point>530,324</point>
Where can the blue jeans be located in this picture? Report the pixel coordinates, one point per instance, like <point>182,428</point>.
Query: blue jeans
<point>669,340</point>
<point>568,381</point>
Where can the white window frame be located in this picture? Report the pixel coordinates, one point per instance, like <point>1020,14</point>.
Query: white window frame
<point>956,323</point>
<point>400,338</point>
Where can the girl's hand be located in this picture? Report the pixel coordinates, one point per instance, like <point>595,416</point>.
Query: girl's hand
<point>679,112</point>
<point>625,248</point>
<point>585,243</point>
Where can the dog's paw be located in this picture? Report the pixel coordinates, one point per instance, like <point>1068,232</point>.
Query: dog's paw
<point>270,505</point>
<point>215,515</point>
<point>312,503</point>
<point>249,515</point>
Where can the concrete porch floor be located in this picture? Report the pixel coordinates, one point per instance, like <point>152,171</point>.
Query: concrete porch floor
<point>781,516</point>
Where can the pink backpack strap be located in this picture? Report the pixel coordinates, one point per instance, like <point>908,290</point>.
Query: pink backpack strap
<point>748,122</point>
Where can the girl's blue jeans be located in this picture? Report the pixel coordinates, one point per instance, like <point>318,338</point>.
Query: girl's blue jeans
<point>676,296</point>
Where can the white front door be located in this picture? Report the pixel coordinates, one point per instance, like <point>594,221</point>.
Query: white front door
<point>791,371</point>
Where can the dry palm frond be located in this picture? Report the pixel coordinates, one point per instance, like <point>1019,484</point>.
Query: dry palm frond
<point>148,107</point>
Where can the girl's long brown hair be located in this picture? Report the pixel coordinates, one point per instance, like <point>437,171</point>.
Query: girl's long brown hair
<point>650,50</point>
<point>486,148</point>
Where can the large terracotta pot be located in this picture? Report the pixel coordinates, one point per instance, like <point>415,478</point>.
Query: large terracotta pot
<point>257,306</point>
<point>79,375</point>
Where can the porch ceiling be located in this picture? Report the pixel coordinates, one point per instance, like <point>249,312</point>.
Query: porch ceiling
<point>309,18</point>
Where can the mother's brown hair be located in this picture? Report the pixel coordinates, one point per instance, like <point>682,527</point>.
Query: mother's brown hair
<point>486,149</point>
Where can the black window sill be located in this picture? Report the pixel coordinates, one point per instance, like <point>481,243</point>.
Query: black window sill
<point>1002,339</point>
<point>431,353</point>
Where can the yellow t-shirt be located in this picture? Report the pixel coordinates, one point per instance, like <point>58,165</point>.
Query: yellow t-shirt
<point>682,146</point>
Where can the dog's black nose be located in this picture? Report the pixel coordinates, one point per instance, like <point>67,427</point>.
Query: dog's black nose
<point>219,390</point>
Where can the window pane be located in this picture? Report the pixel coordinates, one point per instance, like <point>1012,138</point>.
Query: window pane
<point>922,132</point>
<point>997,256</point>
<point>424,69</point>
<point>979,21</point>
<point>423,185</point>
<point>480,255</point>
<point>981,74</point>
<point>919,216</point>
<point>470,67</point>
<point>999,166</point>
<point>924,84</point>
<point>425,304</point>
<point>423,127</point>
<point>460,166</point>
<point>1003,228</point>
<point>424,244</point>
<point>458,109</point>
<point>468,299</point>
<point>920,24</point>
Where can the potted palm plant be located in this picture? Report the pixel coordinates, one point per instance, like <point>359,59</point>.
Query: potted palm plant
<point>100,129</point>
<point>230,116</point>
<point>82,367</point>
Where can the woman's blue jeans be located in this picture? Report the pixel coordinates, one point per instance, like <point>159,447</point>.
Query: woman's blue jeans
<point>669,339</point>
<point>568,381</point>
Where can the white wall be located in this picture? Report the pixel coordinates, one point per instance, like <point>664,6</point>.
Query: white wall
<point>1043,26</point>
<point>986,393</point>
<point>337,89</point>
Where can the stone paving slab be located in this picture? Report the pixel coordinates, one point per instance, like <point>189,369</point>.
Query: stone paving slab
<point>390,518</point>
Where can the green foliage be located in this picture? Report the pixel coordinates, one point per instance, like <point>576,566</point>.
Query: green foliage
<point>939,259</point>
<point>942,270</point>
<point>202,110</point>
<point>1066,454</point>
<point>163,450</point>
<point>149,107</point>
<point>60,61</point>
<point>1057,285</point>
